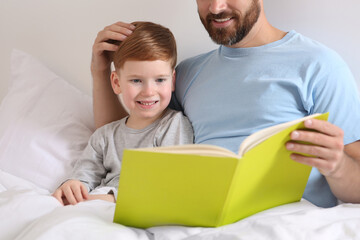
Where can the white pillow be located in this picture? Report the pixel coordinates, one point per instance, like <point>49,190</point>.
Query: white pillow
<point>45,123</point>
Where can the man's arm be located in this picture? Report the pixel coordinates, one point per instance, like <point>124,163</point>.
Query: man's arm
<point>348,188</point>
<point>107,107</point>
<point>338,163</point>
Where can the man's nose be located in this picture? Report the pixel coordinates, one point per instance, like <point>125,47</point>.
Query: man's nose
<point>217,6</point>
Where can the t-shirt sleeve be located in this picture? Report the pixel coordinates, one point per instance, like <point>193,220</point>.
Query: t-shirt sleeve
<point>335,91</point>
<point>89,168</point>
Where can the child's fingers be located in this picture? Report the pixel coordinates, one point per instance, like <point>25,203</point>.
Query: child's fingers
<point>58,195</point>
<point>77,193</point>
<point>68,193</point>
<point>84,191</point>
<point>65,201</point>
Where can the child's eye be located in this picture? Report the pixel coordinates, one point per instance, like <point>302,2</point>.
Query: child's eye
<point>135,80</point>
<point>160,80</point>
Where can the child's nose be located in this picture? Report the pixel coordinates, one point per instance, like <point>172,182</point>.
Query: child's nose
<point>148,89</point>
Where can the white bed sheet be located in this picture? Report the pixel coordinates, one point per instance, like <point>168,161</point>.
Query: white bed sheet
<point>29,212</point>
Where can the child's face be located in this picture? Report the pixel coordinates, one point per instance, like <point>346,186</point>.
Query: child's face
<point>146,88</point>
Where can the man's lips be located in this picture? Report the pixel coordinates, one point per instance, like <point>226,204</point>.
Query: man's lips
<point>221,22</point>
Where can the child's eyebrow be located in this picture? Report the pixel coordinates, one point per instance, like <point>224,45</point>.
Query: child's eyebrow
<point>134,76</point>
<point>164,75</point>
<point>141,76</point>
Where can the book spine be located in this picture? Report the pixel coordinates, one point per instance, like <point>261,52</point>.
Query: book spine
<point>222,220</point>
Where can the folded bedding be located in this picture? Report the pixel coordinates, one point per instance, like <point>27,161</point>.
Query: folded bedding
<point>29,212</point>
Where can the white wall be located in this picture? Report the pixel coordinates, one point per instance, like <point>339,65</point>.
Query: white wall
<point>334,23</point>
<point>61,33</point>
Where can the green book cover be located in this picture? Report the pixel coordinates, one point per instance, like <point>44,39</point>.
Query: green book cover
<point>208,186</point>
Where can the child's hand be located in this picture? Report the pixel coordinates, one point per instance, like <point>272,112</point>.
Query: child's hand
<point>71,192</point>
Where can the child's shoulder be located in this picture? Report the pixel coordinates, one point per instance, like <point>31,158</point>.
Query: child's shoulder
<point>173,129</point>
<point>109,127</point>
<point>173,115</point>
<point>174,119</point>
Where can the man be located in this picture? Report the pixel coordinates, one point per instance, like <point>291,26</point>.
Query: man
<point>260,76</point>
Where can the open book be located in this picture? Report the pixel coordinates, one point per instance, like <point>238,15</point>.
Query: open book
<point>209,186</point>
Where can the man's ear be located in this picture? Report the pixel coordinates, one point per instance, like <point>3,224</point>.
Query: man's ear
<point>115,82</point>
<point>173,81</point>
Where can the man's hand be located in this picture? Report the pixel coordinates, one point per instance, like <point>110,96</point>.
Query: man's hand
<point>105,45</point>
<point>338,163</point>
<point>326,147</point>
<point>71,192</point>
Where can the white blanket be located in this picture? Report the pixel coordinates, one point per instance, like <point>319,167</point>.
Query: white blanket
<point>29,212</point>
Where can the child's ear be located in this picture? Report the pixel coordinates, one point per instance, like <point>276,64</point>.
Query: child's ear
<point>115,82</point>
<point>173,81</point>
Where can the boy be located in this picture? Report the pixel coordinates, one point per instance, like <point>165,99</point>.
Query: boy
<point>144,74</point>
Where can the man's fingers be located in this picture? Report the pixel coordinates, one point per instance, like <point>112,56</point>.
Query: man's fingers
<point>104,46</point>
<point>318,138</point>
<point>311,161</point>
<point>126,25</point>
<point>325,167</point>
<point>325,148</point>
<point>310,150</point>
<point>125,29</point>
<point>324,127</point>
<point>114,32</point>
<point>106,35</point>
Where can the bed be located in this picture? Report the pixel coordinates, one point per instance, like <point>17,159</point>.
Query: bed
<point>45,123</point>
<point>46,116</point>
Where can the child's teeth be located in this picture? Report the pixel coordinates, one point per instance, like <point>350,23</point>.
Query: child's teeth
<point>147,103</point>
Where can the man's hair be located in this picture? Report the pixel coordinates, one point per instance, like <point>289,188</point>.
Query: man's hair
<point>148,42</point>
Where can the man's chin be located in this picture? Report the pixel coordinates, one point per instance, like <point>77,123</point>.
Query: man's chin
<point>222,38</point>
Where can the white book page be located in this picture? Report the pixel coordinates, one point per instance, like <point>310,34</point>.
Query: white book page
<point>196,149</point>
<point>260,136</point>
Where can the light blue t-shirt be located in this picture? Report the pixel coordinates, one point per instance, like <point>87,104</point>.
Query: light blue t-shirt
<point>230,93</point>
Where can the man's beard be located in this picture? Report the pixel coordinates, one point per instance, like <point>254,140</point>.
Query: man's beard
<point>232,34</point>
